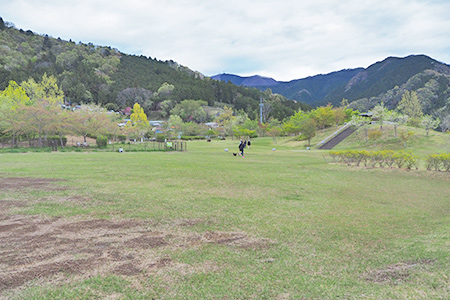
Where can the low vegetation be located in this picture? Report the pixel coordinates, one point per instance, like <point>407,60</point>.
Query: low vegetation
<point>205,224</point>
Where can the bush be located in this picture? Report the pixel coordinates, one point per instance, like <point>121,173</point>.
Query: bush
<point>192,137</point>
<point>438,161</point>
<point>122,138</point>
<point>374,158</point>
<point>160,137</point>
<point>102,141</point>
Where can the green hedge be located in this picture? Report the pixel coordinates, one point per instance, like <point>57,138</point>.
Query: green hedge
<point>382,158</point>
<point>101,141</point>
<point>192,137</point>
<point>160,137</point>
<point>438,162</point>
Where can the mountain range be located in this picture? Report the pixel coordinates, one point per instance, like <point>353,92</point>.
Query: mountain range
<point>382,80</point>
<point>89,73</point>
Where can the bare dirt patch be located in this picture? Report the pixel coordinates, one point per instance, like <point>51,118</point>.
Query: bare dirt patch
<point>237,239</point>
<point>397,273</point>
<point>38,250</point>
<point>21,183</point>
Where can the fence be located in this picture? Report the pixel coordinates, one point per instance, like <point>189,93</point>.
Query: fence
<point>29,143</point>
<point>111,146</point>
<point>149,145</point>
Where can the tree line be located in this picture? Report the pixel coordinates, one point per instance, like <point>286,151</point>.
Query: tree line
<point>101,75</point>
<point>35,110</point>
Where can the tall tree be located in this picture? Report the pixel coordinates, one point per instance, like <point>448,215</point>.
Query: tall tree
<point>47,89</point>
<point>190,110</point>
<point>138,117</point>
<point>323,116</point>
<point>11,99</point>
<point>308,128</point>
<point>410,105</point>
<point>274,129</point>
<point>397,119</point>
<point>93,120</point>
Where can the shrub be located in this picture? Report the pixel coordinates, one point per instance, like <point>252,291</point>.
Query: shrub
<point>122,137</point>
<point>102,141</point>
<point>374,158</point>
<point>160,137</point>
<point>438,161</point>
<point>410,161</point>
<point>192,137</point>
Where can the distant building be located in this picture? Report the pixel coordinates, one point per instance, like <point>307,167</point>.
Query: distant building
<point>156,123</point>
<point>212,125</point>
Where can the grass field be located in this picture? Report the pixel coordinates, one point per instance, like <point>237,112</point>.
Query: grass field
<point>204,224</point>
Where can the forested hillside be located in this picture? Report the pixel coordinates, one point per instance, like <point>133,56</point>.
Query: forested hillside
<point>384,81</point>
<point>89,73</point>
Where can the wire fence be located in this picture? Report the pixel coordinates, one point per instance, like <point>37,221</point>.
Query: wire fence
<point>71,144</point>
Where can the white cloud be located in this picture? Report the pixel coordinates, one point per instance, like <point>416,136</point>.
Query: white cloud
<point>283,39</point>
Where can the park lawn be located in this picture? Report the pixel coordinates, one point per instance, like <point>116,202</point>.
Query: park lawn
<point>279,224</point>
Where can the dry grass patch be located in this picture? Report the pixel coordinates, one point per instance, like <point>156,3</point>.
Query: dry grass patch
<point>397,273</point>
<point>44,249</point>
<point>21,183</point>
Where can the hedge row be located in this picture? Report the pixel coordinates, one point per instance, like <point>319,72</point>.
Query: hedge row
<point>373,158</point>
<point>438,162</point>
<point>192,137</point>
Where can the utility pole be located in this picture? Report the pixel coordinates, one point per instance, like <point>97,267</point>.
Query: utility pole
<point>261,104</point>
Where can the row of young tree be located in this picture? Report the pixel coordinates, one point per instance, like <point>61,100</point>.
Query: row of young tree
<point>34,110</point>
<point>408,112</point>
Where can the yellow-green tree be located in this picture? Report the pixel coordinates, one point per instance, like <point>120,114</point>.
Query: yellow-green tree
<point>225,121</point>
<point>410,105</point>
<point>11,99</point>
<point>293,125</point>
<point>138,116</point>
<point>324,116</point>
<point>139,119</point>
<point>47,89</point>
<point>308,128</point>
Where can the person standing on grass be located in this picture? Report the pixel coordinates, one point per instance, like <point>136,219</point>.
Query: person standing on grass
<point>241,148</point>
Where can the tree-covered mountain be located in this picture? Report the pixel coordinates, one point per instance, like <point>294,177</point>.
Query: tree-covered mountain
<point>89,73</point>
<point>308,90</point>
<point>252,81</point>
<point>384,76</point>
<point>383,81</point>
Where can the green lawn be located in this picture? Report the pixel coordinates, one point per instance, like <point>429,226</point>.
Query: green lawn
<point>278,224</point>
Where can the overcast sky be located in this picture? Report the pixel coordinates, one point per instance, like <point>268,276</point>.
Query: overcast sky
<point>283,39</point>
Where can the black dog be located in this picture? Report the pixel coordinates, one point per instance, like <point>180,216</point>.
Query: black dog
<point>234,154</point>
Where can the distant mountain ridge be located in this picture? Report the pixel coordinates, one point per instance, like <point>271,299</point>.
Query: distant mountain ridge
<point>252,81</point>
<point>373,83</point>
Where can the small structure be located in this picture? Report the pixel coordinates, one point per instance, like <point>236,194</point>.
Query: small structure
<point>212,125</point>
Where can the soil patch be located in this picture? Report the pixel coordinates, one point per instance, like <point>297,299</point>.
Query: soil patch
<point>36,250</point>
<point>20,183</point>
<point>397,273</point>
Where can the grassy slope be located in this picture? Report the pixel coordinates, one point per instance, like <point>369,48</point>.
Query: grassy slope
<point>419,144</point>
<point>333,227</point>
